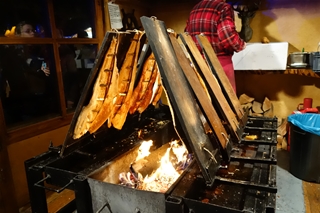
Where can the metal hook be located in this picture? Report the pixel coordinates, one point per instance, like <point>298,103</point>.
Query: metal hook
<point>236,124</point>
<point>224,135</point>
<point>212,156</point>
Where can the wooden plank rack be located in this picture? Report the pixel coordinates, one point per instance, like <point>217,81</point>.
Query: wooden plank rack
<point>229,122</point>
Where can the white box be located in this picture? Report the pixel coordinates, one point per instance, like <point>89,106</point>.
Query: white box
<point>258,56</point>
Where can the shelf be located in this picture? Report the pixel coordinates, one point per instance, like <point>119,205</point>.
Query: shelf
<point>294,71</point>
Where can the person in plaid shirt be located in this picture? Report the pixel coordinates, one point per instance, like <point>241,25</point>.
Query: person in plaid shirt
<point>215,20</point>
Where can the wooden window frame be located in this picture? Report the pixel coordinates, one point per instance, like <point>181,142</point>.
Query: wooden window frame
<point>18,134</point>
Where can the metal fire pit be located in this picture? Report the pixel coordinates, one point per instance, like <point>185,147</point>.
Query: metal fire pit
<point>105,182</point>
<point>240,177</point>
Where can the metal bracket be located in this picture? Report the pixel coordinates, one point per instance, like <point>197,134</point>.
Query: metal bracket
<point>52,189</point>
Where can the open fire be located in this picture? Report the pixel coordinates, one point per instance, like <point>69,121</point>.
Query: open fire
<point>173,162</point>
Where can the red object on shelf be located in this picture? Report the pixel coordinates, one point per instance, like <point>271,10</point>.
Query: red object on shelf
<point>307,103</point>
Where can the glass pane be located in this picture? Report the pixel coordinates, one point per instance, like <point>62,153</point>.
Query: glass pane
<point>74,19</point>
<point>29,90</point>
<point>76,61</point>
<point>33,12</point>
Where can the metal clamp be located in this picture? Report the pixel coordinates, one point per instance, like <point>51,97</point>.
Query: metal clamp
<point>212,155</point>
<point>227,139</point>
<point>236,123</point>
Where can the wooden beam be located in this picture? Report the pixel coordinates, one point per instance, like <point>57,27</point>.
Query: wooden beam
<point>106,15</point>
<point>218,71</point>
<point>204,100</point>
<point>37,128</point>
<point>213,85</point>
<point>100,27</point>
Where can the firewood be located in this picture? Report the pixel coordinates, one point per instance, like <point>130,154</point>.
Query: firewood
<point>269,113</point>
<point>282,129</point>
<point>257,114</point>
<point>257,107</point>
<point>266,105</point>
<point>244,99</point>
<point>280,121</point>
<point>279,142</point>
<point>247,105</point>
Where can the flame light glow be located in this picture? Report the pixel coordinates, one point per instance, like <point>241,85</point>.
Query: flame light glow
<point>172,164</point>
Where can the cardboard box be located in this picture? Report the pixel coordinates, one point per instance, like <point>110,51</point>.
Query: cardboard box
<point>258,56</point>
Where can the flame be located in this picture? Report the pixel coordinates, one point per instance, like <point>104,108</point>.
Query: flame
<point>166,174</point>
<point>144,149</point>
<point>172,163</point>
<point>140,134</point>
<point>179,150</point>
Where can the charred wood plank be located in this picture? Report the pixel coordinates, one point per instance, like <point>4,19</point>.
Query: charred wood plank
<point>205,102</point>
<point>213,84</point>
<point>221,76</point>
<point>181,97</point>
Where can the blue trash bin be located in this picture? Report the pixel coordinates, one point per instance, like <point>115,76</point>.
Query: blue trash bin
<point>305,146</point>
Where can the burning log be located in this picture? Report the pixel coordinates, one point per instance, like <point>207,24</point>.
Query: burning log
<point>152,175</point>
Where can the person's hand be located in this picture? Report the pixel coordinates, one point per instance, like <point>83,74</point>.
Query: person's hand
<point>45,70</point>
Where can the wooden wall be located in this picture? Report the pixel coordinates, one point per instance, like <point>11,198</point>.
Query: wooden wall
<point>293,21</point>
<point>21,151</point>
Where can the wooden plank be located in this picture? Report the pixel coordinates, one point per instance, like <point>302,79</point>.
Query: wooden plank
<point>217,69</point>
<point>311,193</point>
<point>181,98</point>
<point>99,20</point>
<point>56,201</point>
<point>213,84</point>
<point>200,93</point>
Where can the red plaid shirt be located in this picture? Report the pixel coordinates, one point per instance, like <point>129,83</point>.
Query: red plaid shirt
<point>215,19</point>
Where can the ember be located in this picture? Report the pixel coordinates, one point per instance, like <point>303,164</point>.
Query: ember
<point>172,164</point>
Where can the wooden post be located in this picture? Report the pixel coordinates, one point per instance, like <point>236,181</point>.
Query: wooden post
<point>8,201</point>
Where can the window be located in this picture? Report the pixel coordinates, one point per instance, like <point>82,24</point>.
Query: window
<point>42,70</point>
<point>74,18</point>
<point>35,12</point>
<point>28,93</point>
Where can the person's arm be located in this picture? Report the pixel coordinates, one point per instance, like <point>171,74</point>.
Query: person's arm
<point>227,33</point>
<point>37,65</point>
